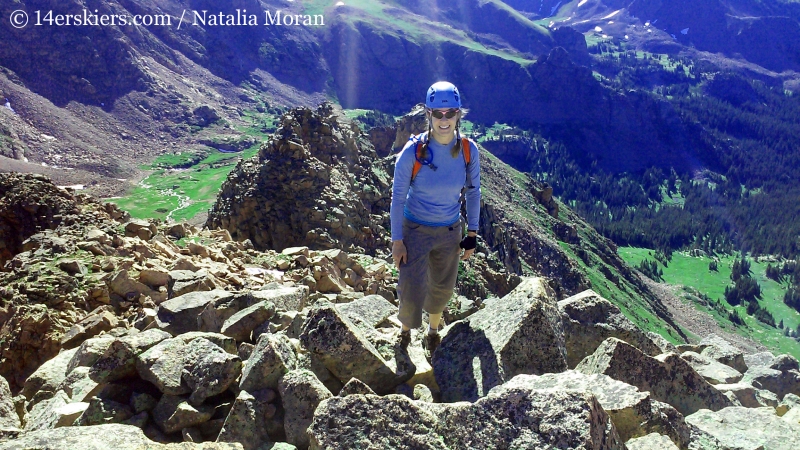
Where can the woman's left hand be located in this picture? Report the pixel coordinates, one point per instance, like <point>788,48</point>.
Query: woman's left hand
<point>468,244</point>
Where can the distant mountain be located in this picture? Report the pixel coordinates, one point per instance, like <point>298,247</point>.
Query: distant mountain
<point>765,33</point>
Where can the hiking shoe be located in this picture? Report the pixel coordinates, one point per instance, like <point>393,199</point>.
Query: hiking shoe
<point>430,344</point>
<point>405,338</point>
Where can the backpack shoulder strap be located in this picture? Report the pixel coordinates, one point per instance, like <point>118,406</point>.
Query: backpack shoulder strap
<point>467,156</point>
<point>417,164</point>
<point>420,140</point>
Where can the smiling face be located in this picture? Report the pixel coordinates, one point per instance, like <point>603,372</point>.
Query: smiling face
<point>444,129</point>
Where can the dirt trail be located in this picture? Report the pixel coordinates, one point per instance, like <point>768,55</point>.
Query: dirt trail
<point>700,323</point>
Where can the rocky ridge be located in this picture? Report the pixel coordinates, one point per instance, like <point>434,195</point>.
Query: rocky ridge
<point>318,182</point>
<point>311,382</point>
<point>218,345</point>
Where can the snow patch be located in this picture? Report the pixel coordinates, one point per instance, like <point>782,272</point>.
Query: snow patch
<point>611,15</point>
<point>685,31</point>
<point>597,29</point>
<point>582,3</point>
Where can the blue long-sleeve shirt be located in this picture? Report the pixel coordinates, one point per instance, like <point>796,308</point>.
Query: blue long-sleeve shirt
<point>433,198</point>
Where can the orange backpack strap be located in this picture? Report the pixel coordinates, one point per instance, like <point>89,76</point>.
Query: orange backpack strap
<point>418,153</point>
<point>467,155</point>
<point>417,164</point>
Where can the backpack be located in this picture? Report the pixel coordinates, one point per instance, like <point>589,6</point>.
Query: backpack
<point>418,155</point>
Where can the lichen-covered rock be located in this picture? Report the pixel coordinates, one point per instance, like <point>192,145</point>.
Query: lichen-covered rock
<point>780,382</point>
<point>102,411</point>
<point>518,334</point>
<point>590,319</point>
<point>245,422</point>
<point>119,359</point>
<point>79,385</point>
<point>722,351</point>
<point>714,372</point>
<point>784,363</point>
<point>287,298</point>
<point>789,402</point>
<point>180,314</point>
<point>142,401</point>
<point>746,395</point>
<point>68,414</point>
<point>208,370</point>
<point>48,376</point>
<point>273,356</point>
<point>99,437</point>
<point>736,427</point>
<point>763,359</point>
<point>632,411</point>
<point>347,422</point>
<point>240,325</point>
<point>347,353</point>
<point>669,378</point>
<point>216,312</point>
<point>43,415</point>
<point>793,416</point>
<point>89,352</point>
<point>652,441</point>
<point>182,282</point>
<point>355,387</point>
<point>422,393</point>
<point>301,393</point>
<point>510,418</point>
<point>174,413</point>
<point>664,345</point>
<point>163,364</point>
<point>224,342</point>
<point>8,412</point>
<point>371,309</point>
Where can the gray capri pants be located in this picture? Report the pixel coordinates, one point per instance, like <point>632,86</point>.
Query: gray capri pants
<point>428,277</point>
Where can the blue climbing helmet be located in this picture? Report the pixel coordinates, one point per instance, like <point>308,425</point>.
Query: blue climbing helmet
<point>442,95</point>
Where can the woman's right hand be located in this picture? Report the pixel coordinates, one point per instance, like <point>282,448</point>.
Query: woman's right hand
<point>399,253</point>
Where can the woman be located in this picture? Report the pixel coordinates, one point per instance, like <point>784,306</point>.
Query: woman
<point>430,174</point>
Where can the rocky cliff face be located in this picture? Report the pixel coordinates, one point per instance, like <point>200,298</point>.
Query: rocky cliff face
<point>316,183</point>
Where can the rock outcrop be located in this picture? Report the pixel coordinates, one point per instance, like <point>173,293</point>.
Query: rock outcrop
<point>669,378</point>
<point>738,427</point>
<point>590,319</point>
<point>520,333</point>
<point>633,412</point>
<point>346,352</point>
<point>781,376</point>
<point>311,186</point>
<point>533,419</point>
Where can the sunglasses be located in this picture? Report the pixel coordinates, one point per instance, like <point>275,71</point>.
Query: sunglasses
<point>449,114</point>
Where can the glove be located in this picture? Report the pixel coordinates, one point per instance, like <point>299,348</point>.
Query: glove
<point>469,242</point>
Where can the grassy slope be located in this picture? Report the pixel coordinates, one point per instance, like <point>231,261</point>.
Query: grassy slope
<point>693,272</point>
<point>414,28</point>
<point>159,194</point>
<point>623,293</point>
